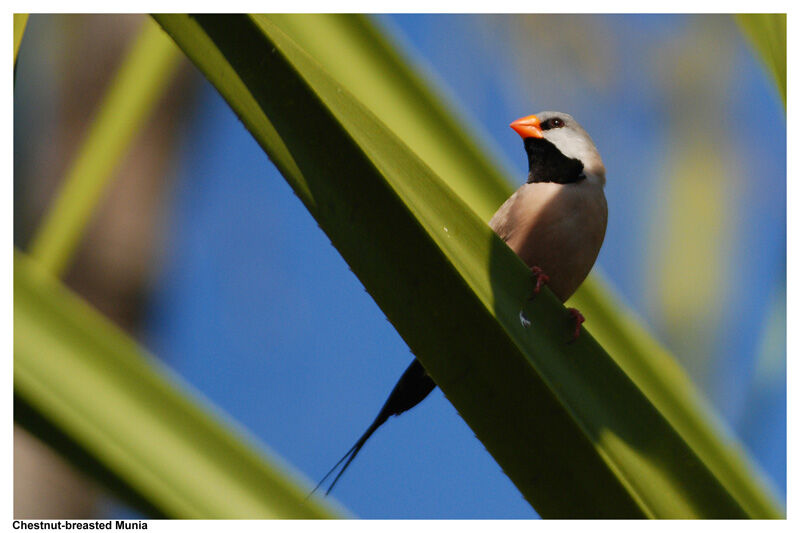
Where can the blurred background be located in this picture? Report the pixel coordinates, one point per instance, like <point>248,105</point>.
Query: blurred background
<point>203,253</point>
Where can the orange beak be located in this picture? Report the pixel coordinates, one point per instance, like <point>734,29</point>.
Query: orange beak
<point>527,127</point>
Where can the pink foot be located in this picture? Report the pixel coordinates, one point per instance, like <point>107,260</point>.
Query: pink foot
<point>579,319</point>
<point>542,279</point>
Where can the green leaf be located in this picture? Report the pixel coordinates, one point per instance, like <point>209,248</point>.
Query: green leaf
<point>362,60</point>
<point>386,85</point>
<point>412,111</point>
<point>667,386</point>
<point>128,102</point>
<point>572,430</point>
<point>767,33</point>
<point>20,21</point>
<point>88,390</point>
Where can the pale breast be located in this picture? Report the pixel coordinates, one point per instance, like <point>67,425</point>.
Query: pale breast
<point>556,227</point>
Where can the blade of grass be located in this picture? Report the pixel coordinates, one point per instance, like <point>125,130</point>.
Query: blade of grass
<point>20,21</point>
<point>129,101</point>
<point>566,423</point>
<point>767,34</point>
<point>88,390</point>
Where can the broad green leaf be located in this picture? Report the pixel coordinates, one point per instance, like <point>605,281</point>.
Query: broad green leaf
<point>565,422</point>
<point>88,390</point>
<point>386,85</point>
<point>363,61</point>
<point>128,102</point>
<point>667,386</point>
<point>767,33</point>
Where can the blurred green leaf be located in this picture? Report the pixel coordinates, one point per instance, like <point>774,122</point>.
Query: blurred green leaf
<point>20,21</point>
<point>88,390</point>
<point>565,422</point>
<point>133,93</point>
<point>767,33</point>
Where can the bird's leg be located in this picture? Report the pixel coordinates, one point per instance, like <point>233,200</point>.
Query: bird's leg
<point>541,278</point>
<point>579,319</point>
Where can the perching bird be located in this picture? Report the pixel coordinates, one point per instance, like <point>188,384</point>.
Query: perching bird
<point>555,222</point>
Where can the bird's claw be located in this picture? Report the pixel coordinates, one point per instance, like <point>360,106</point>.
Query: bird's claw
<point>579,319</point>
<point>542,279</point>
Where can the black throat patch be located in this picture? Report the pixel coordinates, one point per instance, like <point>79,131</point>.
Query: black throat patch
<point>547,163</point>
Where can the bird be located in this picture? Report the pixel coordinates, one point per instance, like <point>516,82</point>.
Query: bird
<point>555,222</point>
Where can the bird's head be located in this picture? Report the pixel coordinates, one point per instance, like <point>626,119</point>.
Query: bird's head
<point>559,149</point>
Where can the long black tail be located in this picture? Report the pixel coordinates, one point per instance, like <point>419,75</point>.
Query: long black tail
<point>413,387</point>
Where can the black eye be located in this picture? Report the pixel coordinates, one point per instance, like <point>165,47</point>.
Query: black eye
<point>552,123</point>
